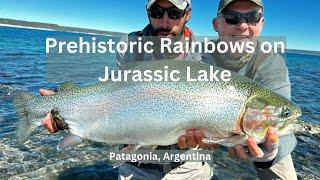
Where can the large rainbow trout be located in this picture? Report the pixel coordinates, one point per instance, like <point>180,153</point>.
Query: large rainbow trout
<point>157,113</point>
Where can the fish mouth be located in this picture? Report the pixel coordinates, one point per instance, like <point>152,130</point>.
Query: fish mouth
<point>55,122</point>
<point>295,116</point>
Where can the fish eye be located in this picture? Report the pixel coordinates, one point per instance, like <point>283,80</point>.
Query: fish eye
<point>286,112</point>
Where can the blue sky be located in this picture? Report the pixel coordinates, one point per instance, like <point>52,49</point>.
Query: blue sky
<point>297,20</point>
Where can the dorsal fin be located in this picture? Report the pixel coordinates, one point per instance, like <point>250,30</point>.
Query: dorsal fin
<point>67,86</point>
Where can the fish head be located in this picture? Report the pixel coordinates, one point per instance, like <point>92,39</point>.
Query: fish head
<point>284,117</point>
<point>269,110</point>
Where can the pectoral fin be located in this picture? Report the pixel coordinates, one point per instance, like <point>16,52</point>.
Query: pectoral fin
<point>130,149</point>
<point>68,142</point>
<point>126,150</point>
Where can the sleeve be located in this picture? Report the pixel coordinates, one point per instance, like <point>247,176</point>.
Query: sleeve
<point>284,169</point>
<point>273,74</point>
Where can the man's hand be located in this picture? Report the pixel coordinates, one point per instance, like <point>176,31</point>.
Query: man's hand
<point>192,139</point>
<point>266,153</point>
<point>48,120</point>
<point>46,92</point>
<point>48,123</point>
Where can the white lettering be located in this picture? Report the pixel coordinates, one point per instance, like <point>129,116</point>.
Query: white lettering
<point>50,43</point>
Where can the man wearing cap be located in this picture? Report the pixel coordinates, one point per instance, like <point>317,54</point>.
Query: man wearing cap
<point>167,18</point>
<point>238,21</point>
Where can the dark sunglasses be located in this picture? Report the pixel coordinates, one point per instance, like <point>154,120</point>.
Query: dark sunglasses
<point>233,18</point>
<point>157,12</point>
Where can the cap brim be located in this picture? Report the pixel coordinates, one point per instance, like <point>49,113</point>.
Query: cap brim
<point>150,3</point>
<point>181,6</point>
<point>227,4</point>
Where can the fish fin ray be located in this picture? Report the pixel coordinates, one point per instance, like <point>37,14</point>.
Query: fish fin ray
<point>130,148</point>
<point>212,140</point>
<point>126,150</point>
<point>226,141</point>
<point>117,164</point>
<point>153,147</point>
<point>68,142</point>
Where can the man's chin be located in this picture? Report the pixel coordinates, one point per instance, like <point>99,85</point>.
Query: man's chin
<point>165,35</point>
<point>235,38</point>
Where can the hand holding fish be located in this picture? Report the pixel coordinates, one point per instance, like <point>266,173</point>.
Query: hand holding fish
<point>45,92</point>
<point>265,153</point>
<point>193,138</point>
<point>47,122</point>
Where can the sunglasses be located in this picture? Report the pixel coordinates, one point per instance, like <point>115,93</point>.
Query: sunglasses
<point>234,18</point>
<point>157,12</point>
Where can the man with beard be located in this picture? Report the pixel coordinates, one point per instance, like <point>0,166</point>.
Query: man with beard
<point>241,21</point>
<point>167,19</point>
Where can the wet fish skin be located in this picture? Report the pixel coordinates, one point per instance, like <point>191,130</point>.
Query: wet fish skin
<point>154,113</point>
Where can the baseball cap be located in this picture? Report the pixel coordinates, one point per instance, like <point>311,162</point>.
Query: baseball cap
<point>224,3</point>
<point>181,4</point>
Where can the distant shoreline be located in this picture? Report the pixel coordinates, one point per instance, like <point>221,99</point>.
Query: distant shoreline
<point>303,52</point>
<point>55,27</point>
<point>25,27</point>
<point>45,29</point>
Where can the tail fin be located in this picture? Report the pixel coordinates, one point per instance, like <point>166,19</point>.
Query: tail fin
<point>25,123</point>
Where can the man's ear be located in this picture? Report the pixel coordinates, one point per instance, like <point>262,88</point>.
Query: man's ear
<point>262,22</point>
<point>215,24</point>
<point>188,14</point>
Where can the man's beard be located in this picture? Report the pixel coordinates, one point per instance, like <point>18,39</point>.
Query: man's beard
<point>165,32</point>
<point>162,32</point>
<point>158,34</point>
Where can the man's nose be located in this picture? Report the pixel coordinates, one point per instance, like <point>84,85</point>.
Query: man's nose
<point>243,25</point>
<point>165,21</point>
